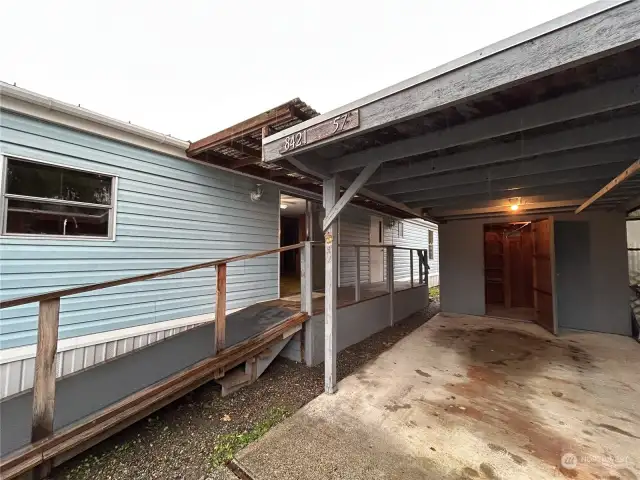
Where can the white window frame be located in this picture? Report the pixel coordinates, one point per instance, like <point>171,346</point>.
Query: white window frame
<point>4,197</point>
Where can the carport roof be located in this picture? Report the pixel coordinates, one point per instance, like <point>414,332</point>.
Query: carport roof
<point>544,119</point>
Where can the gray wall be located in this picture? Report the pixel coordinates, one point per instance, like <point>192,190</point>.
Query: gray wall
<point>573,274</point>
<point>93,389</point>
<point>462,268</point>
<point>361,320</point>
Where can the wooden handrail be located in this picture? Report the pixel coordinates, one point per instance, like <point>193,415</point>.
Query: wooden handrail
<point>14,302</point>
<point>44,395</point>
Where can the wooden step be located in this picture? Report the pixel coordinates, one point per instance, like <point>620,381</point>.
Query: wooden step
<point>234,380</point>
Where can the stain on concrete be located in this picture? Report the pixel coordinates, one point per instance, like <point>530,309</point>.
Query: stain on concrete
<point>500,449</point>
<point>613,428</point>
<point>470,472</point>
<point>488,471</point>
<point>424,374</point>
<point>511,349</point>
<point>496,357</point>
<point>396,407</point>
<point>622,419</point>
<point>626,474</point>
<point>497,448</point>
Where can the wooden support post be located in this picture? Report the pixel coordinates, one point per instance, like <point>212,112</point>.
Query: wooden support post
<point>331,192</point>
<point>44,382</point>
<point>306,279</point>
<point>358,279</point>
<point>411,266</point>
<point>390,283</point>
<point>221,304</point>
<point>265,133</point>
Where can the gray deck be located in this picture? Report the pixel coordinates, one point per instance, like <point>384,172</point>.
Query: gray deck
<point>255,319</point>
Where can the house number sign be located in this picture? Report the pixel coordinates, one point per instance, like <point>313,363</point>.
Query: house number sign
<point>334,126</point>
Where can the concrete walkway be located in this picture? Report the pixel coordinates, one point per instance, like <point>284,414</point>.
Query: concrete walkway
<point>470,397</point>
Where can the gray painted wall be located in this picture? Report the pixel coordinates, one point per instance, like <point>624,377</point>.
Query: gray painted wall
<point>573,274</point>
<point>361,320</point>
<point>90,390</point>
<point>462,268</point>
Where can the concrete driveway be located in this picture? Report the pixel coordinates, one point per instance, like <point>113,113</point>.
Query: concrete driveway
<point>469,397</point>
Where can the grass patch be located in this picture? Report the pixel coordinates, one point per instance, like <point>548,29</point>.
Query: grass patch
<point>434,292</point>
<point>231,443</point>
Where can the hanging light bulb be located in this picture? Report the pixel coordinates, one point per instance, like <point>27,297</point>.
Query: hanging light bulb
<point>514,204</point>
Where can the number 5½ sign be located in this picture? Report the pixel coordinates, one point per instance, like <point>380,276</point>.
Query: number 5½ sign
<point>334,126</point>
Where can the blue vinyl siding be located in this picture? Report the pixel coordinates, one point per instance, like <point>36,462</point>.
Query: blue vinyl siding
<point>170,213</point>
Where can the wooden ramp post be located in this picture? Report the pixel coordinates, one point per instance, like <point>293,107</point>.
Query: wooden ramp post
<point>44,382</point>
<point>221,312</point>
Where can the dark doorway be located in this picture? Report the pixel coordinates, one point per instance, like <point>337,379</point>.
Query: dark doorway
<point>508,264</point>
<point>293,229</point>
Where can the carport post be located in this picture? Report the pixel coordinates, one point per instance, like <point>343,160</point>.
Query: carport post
<point>331,192</point>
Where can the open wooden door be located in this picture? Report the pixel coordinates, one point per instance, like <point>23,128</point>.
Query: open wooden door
<point>543,274</point>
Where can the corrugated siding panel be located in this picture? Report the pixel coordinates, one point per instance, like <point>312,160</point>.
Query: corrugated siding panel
<point>170,213</point>
<point>354,229</point>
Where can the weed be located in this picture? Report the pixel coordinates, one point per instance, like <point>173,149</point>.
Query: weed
<point>434,292</point>
<point>229,444</point>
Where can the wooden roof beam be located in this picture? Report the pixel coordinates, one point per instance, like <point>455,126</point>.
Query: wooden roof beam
<point>247,150</point>
<point>627,173</point>
<point>282,113</point>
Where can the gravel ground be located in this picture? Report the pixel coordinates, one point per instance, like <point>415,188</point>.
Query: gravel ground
<point>177,441</point>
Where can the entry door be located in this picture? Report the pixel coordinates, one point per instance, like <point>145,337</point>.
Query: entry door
<point>376,255</point>
<point>544,295</point>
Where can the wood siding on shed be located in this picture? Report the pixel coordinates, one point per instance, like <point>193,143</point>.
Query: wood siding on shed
<point>170,213</point>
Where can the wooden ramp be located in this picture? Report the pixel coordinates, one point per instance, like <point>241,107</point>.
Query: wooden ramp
<point>65,443</point>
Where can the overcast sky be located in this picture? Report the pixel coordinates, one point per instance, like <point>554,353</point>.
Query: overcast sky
<point>192,67</point>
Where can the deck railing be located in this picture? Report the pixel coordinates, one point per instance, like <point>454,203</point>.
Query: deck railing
<point>49,319</point>
<point>390,264</point>
<point>44,384</point>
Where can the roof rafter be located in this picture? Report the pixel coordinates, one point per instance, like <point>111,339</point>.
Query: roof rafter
<point>590,101</point>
